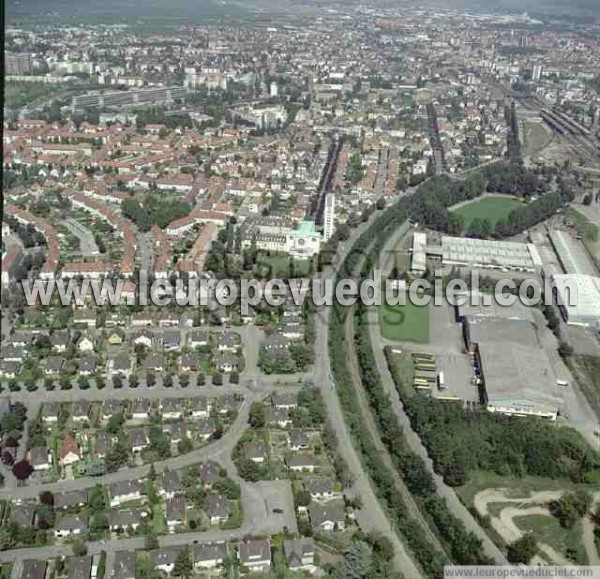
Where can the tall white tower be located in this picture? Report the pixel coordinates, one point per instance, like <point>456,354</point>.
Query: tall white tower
<point>274,89</point>
<point>329,216</point>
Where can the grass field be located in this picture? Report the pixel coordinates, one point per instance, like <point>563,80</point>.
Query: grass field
<point>492,208</point>
<point>408,323</point>
<point>567,542</point>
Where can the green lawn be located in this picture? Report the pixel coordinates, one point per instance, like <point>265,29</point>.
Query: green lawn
<point>567,542</point>
<point>407,323</point>
<point>492,208</point>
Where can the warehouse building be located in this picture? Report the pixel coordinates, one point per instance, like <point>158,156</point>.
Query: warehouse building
<point>419,255</point>
<point>484,330</point>
<point>517,380</point>
<point>582,307</point>
<point>571,253</point>
<point>490,254</point>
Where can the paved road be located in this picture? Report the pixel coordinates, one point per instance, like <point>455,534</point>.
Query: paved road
<point>371,516</point>
<point>87,243</point>
<point>219,450</point>
<point>414,442</point>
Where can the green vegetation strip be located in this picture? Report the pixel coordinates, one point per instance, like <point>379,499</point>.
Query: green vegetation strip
<point>463,546</point>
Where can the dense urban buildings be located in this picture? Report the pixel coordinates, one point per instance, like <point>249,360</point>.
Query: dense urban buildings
<point>158,158</point>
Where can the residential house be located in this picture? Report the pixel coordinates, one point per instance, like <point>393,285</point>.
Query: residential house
<point>32,569</point>
<point>255,555</point>
<point>198,339</point>
<point>143,338</point>
<point>284,400</point>
<point>175,512</point>
<point>140,409</point>
<point>138,440</point>
<point>87,366</point>
<point>120,365</point>
<point>103,444</point>
<point>69,452</point>
<point>126,519</point>
<point>115,336</point>
<point>121,492</point>
<point>155,363</point>
<point>175,431</point>
<point>300,554</point>
<point>199,407</point>
<point>50,411</point>
<point>320,489</point>
<point>227,363</point>
<point>301,462</point>
<point>172,408</point>
<point>280,417</point>
<point>40,458</point>
<point>142,319</point>
<point>9,370</point>
<point>255,451</point>
<point>69,525</point>
<point>209,472</point>
<point>298,440</point>
<point>204,428</point>
<point>217,508</point>
<point>164,558</point>
<point>84,317</point>
<point>22,514</point>
<point>330,516</point>
<point>168,320</point>
<point>209,555</point>
<point>110,408</point>
<point>70,499</point>
<point>171,340</point>
<point>275,344</point>
<point>188,362</point>
<point>85,345</point>
<point>228,342</point>
<point>123,566</point>
<point>79,567</point>
<point>170,484</point>
<point>53,365</point>
<point>60,341</point>
<point>81,410</point>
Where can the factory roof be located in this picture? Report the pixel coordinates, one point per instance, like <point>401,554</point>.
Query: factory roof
<point>571,253</point>
<point>518,377</point>
<point>485,253</point>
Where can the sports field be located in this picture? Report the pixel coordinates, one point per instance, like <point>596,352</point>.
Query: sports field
<point>492,208</point>
<point>408,323</point>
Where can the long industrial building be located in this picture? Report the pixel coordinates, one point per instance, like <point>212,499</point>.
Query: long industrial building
<point>130,97</point>
<point>577,291</point>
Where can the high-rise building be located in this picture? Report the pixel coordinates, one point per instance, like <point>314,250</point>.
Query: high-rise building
<point>274,89</point>
<point>329,216</point>
<point>537,72</point>
<point>17,64</point>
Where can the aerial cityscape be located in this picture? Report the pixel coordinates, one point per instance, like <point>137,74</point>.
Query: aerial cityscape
<point>300,288</point>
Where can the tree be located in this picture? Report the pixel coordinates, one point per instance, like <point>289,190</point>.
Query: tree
<point>117,382</point>
<point>522,550</point>
<point>258,415</point>
<point>571,507</point>
<point>217,379</point>
<point>116,457</point>
<point>248,469</point>
<point>22,470</point>
<point>79,548</point>
<point>115,423</point>
<point>184,380</point>
<point>185,445</point>
<point>183,564</point>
